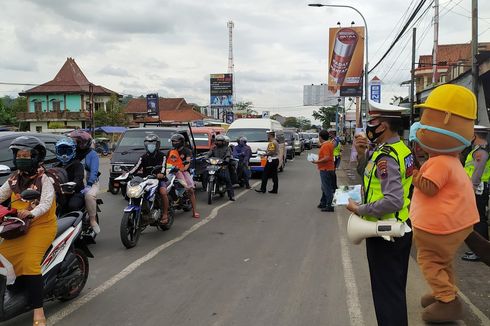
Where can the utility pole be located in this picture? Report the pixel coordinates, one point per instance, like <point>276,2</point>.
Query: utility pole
<point>474,50</point>
<point>435,76</point>
<point>92,115</point>
<point>412,80</point>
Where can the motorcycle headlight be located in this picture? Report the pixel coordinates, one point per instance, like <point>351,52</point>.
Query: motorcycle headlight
<point>213,161</point>
<point>134,191</point>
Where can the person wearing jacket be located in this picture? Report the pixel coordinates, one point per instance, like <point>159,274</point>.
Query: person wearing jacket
<point>222,151</point>
<point>90,160</point>
<point>243,153</point>
<point>26,252</point>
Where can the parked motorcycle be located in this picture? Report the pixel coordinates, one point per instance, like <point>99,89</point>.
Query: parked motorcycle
<point>144,208</point>
<point>88,233</point>
<point>65,266</point>
<point>216,184</point>
<point>178,196</point>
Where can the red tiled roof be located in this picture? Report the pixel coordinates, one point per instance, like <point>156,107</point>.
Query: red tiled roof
<point>138,105</point>
<point>70,79</point>
<point>452,54</point>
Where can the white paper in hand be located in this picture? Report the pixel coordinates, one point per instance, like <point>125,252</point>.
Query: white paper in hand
<point>312,157</point>
<point>343,193</point>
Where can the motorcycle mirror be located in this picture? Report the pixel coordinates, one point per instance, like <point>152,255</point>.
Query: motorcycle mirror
<point>30,195</point>
<point>4,170</point>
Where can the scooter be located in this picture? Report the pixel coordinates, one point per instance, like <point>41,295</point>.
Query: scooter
<point>215,186</point>
<point>88,233</point>
<point>65,266</point>
<point>144,208</point>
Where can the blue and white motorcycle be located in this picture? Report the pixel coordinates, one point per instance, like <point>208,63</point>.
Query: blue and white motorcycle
<point>144,208</point>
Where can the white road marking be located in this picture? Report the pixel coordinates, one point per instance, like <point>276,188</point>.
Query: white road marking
<point>78,303</point>
<point>353,305</point>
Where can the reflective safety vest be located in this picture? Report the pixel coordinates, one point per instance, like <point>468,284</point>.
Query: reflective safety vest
<point>372,185</point>
<point>337,150</point>
<point>174,160</point>
<point>469,166</point>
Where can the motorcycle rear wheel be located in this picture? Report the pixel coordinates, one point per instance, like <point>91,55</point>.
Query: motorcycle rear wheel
<point>130,230</point>
<point>83,268</point>
<point>210,192</point>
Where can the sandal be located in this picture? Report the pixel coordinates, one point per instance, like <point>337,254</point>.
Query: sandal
<point>39,322</point>
<point>196,215</point>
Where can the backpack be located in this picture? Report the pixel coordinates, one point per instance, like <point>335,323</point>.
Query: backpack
<point>57,176</point>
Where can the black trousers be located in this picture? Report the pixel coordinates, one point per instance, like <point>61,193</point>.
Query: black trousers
<point>270,171</point>
<point>482,205</point>
<point>388,268</point>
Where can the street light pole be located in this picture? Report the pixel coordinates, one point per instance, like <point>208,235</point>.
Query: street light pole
<point>366,66</point>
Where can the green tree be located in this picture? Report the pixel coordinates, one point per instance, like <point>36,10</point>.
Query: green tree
<point>291,122</point>
<point>245,107</point>
<point>114,114</point>
<point>326,115</point>
<point>9,108</point>
<point>303,123</point>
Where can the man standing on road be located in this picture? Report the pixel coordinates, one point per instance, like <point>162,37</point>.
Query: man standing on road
<point>325,164</point>
<point>477,166</point>
<point>270,169</point>
<point>387,176</point>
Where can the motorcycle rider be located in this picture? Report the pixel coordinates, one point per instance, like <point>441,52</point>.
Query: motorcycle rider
<point>243,153</point>
<point>65,150</point>
<point>90,160</point>
<point>27,251</point>
<point>154,157</point>
<point>180,156</point>
<point>223,152</point>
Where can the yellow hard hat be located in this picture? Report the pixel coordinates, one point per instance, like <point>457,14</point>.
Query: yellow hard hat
<point>451,98</point>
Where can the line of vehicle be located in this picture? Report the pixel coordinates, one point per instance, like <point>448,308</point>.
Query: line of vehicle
<point>78,303</point>
<point>353,304</point>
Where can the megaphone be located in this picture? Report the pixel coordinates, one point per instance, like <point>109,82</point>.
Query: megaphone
<point>358,229</point>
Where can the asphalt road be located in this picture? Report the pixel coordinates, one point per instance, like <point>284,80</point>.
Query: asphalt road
<point>262,260</point>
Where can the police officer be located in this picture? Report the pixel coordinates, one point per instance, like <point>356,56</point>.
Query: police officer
<point>387,176</point>
<point>272,164</point>
<point>477,166</point>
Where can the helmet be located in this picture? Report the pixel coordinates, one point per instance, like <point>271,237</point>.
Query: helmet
<point>242,140</point>
<point>152,143</point>
<point>227,140</point>
<point>177,141</point>
<point>453,99</point>
<point>32,144</point>
<point>65,150</point>
<point>82,138</point>
<point>220,140</point>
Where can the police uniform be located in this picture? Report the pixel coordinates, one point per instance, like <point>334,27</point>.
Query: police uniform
<point>387,177</point>
<point>477,166</point>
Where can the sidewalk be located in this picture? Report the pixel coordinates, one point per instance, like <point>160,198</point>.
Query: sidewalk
<point>473,278</point>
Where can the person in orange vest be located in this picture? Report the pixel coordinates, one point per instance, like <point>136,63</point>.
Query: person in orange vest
<point>180,156</point>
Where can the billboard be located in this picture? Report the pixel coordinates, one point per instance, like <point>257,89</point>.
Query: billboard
<point>346,61</point>
<point>152,105</point>
<point>230,117</point>
<point>318,95</point>
<point>375,90</point>
<point>221,90</point>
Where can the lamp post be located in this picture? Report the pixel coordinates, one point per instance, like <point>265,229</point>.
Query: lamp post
<point>366,66</point>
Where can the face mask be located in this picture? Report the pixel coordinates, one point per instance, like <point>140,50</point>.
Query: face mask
<point>417,125</point>
<point>24,164</point>
<point>371,133</point>
<point>151,147</point>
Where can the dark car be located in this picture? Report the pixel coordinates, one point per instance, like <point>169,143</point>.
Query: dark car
<point>6,138</point>
<point>130,147</point>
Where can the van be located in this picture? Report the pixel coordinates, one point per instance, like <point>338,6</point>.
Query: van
<point>255,130</point>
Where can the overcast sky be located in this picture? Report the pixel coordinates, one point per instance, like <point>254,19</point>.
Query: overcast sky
<point>171,46</point>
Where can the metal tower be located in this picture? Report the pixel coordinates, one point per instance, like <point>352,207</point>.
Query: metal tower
<point>231,66</point>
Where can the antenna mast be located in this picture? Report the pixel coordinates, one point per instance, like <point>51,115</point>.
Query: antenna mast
<point>231,66</point>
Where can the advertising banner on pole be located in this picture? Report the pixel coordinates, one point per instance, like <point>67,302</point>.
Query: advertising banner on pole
<point>346,61</point>
<point>230,117</point>
<point>221,90</point>
<point>152,105</point>
<point>375,90</point>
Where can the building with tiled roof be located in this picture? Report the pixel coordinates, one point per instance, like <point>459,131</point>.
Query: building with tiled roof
<point>65,100</point>
<point>453,60</point>
<point>170,110</point>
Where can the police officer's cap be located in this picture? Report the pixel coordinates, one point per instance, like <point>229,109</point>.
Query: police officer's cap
<point>380,110</point>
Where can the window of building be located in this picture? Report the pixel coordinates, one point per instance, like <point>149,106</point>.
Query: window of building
<point>38,106</point>
<point>39,129</point>
<point>99,106</point>
<point>56,106</point>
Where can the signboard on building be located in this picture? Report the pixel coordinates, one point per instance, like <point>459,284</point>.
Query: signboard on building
<point>152,105</point>
<point>346,61</point>
<point>221,90</point>
<point>230,117</point>
<point>318,95</point>
<point>375,90</point>
<point>266,114</point>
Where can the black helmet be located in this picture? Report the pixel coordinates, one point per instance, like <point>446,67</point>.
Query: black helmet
<point>150,140</point>
<point>220,140</point>
<point>82,138</point>
<point>32,144</point>
<point>242,140</point>
<point>177,141</point>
